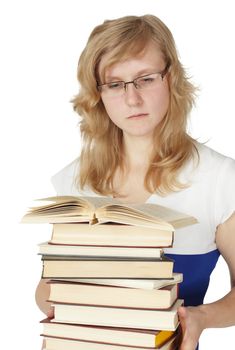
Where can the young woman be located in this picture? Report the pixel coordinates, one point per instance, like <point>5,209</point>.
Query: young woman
<point>134,101</point>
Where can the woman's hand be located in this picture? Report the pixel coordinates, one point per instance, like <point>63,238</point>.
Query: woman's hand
<point>192,324</point>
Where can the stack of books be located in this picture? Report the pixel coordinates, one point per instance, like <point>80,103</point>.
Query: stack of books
<point>110,283</point>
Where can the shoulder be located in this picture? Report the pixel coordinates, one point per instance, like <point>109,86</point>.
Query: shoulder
<point>215,169</point>
<point>209,157</point>
<point>64,181</point>
<point>211,163</point>
<point>217,173</point>
<point>214,165</point>
<point>205,165</point>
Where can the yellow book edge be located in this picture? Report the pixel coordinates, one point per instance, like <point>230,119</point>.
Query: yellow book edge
<point>162,337</point>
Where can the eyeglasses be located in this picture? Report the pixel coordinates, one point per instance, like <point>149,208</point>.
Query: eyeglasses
<point>145,82</point>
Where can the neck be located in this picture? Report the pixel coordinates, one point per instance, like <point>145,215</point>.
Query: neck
<point>137,151</point>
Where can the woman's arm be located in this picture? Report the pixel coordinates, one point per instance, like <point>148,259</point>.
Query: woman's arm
<point>220,313</point>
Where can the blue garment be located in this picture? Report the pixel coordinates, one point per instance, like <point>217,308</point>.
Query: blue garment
<point>196,271</point>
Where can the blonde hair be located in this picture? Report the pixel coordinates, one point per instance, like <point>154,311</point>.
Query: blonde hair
<point>102,151</point>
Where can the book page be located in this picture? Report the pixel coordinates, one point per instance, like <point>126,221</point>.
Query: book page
<point>100,202</point>
<point>66,205</point>
<point>176,218</point>
<point>132,218</point>
<point>147,213</point>
<point>60,202</point>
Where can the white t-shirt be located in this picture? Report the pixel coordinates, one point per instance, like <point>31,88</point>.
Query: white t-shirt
<point>210,198</point>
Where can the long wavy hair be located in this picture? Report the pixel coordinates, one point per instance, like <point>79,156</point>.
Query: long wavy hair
<point>102,147</point>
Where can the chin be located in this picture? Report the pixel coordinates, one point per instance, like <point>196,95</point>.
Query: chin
<point>139,133</point>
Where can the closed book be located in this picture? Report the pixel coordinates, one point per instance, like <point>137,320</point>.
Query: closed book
<point>109,335</point>
<point>47,248</point>
<point>112,234</point>
<point>133,283</point>
<point>118,317</point>
<point>79,267</point>
<point>69,344</point>
<point>94,294</point>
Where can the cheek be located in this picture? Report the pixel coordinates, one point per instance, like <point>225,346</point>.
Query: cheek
<point>160,101</point>
<point>112,108</point>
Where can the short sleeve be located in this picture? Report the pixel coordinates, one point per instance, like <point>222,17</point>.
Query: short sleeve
<point>64,181</point>
<point>225,191</point>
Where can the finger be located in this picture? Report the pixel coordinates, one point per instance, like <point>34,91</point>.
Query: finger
<point>182,312</point>
<point>50,312</point>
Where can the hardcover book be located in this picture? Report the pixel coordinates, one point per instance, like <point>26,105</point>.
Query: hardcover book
<point>118,317</point>
<point>96,294</point>
<point>96,267</point>
<point>108,335</point>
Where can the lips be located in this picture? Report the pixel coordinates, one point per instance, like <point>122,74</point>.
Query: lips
<point>137,116</point>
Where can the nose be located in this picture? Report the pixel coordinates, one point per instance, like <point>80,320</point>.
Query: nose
<point>132,95</point>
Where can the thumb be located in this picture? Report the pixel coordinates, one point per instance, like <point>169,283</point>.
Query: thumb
<point>182,313</point>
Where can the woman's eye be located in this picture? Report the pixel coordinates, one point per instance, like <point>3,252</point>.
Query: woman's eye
<point>147,80</point>
<point>115,85</point>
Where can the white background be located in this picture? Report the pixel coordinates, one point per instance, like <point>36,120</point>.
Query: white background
<point>40,45</point>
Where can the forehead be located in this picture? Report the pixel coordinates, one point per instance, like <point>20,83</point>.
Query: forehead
<point>149,57</point>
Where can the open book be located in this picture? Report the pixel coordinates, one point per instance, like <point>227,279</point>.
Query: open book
<point>98,210</point>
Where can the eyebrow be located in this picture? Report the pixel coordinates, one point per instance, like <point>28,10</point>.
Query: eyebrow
<point>140,73</point>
